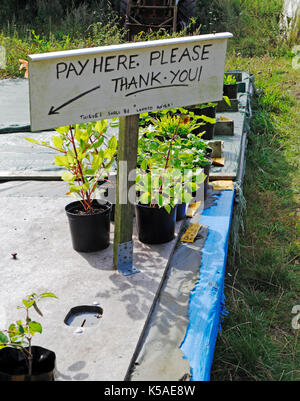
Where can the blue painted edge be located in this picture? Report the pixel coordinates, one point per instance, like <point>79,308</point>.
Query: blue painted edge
<point>207,300</point>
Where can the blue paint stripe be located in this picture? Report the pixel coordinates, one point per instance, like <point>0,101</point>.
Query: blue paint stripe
<point>206,304</point>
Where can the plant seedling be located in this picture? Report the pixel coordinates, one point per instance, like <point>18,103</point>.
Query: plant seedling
<point>19,334</point>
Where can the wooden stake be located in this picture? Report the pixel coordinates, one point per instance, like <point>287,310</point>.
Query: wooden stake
<point>127,157</point>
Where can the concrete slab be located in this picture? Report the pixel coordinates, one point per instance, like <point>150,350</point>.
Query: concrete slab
<point>36,229</point>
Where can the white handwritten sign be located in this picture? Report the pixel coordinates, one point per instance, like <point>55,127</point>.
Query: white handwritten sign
<point>83,85</point>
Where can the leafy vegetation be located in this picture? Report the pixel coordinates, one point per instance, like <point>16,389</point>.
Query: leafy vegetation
<point>169,155</point>
<point>82,151</point>
<point>229,79</point>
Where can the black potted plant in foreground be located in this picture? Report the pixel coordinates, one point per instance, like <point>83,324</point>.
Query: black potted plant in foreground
<point>19,359</point>
<point>87,159</point>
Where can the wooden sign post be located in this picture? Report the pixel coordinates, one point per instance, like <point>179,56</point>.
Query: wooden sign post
<point>78,86</point>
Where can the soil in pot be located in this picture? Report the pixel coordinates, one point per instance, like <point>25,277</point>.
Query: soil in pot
<point>230,91</point>
<point>154,224</point>
<point>89,232</point>
<point>13,365</point>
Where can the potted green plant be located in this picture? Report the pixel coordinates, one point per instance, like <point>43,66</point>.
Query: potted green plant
<point>165,177</point>
<point>87,157</point>
<point>230,87</point>
<point>19,359</point>
<point>207,112</point>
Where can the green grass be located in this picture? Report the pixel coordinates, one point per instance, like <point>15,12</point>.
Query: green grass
<point>257,341</point>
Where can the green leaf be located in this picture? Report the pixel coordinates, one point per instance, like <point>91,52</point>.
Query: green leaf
<point>99,127</point>
<point>168,208</point>
<point>208,119</point>
<point>97,161</point>
<point>70,157</point>
<point>57,142</point>
<point>35,327</point>
<point>67,176</point>
<point>227,100</point>
<point>75,189</point>
<point>145,198</point>
<point>28,304</point>
<point>12,330</point>
<point>77,133</point>
<point>33,141</point>
<point>113,143</point>
<point>187,197</point>
<point>3,338</point>
<point>62,130</point>
<point>48,295</point>
<point>109,153</point>
<point>98,143</point>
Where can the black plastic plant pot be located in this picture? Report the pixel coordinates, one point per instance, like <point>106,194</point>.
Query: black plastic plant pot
<point>154,224</point>
<point>14,365</point>
<point>181,211</point>
<point>89,232</point>
<point>209,131</point>
<point>230,91</point>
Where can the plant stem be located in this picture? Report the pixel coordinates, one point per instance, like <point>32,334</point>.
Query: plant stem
<point>29,353</point>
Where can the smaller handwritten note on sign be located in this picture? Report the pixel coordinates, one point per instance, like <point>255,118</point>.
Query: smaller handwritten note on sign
<point>83,85</point>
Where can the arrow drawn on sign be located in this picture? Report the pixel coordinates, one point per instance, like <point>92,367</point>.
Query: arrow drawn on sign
<point>54,110</point>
